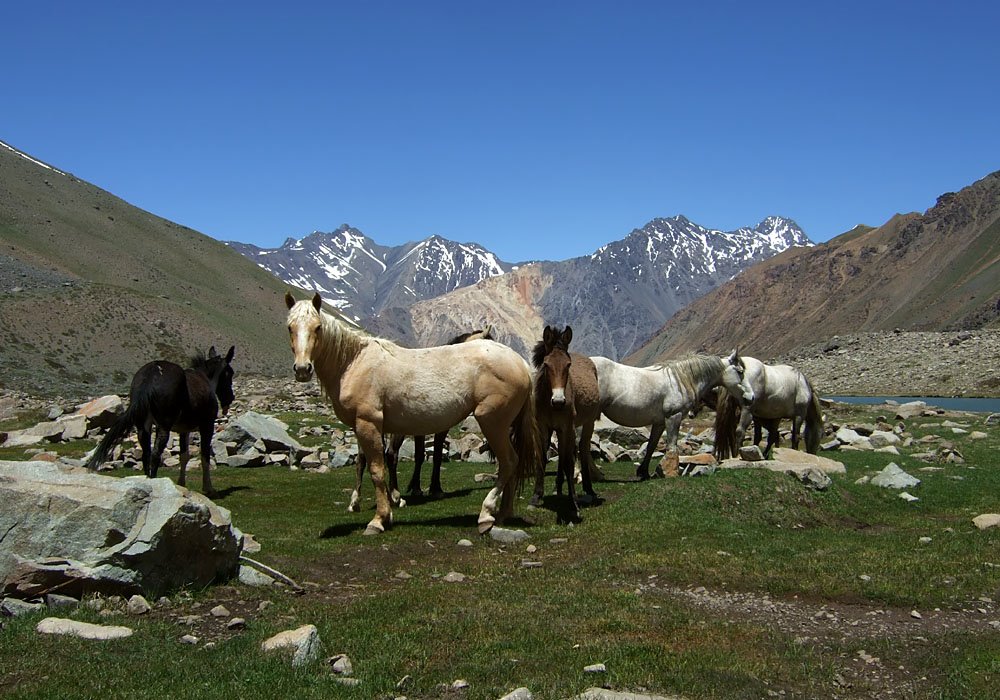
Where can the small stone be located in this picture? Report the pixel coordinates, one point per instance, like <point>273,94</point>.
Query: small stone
<point>453,577</point>
<point>925,540</point>
<point>916,615</point>
<point>518,694</point>
<point>531,549</point>
<point>528,564</point>
<point>341,664</point>
<point>464,543</point>
<point>595,668</point>
<point>219,611</point>
<point>189,639</point>
<point>908,497</point>
<point>402,576</point>
<point>505,536</point>
<point>986,520</point>
<point>137,605</point>
<point>237,623</point>
<point>459,684</point>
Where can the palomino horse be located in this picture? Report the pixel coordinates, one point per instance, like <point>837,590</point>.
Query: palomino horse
<point>396,441</point>
<point>780,391</point>
<point>660,395</point>
<point>377,387</point>
<point>566,395</point>
<point>178,400</point>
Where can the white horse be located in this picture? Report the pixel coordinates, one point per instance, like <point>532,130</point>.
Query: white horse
<point>660,395</point>
<point>377,387</point>
<point>780,391</point>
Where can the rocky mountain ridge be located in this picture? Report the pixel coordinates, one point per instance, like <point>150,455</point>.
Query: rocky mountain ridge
<point>935,271</point>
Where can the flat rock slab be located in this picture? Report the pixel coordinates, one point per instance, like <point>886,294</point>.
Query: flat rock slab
<point>604,694</point>
<point>786,460</point>
<point>84,630</point>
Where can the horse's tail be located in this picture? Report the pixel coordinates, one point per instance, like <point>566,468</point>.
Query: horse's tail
<point>814,422</point>
<point>727,417</point>
<point>524,435</point>
<point>116,433</point>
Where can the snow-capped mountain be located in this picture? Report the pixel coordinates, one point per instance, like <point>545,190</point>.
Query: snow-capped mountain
<point>615,298</point>
<point>362,278</point>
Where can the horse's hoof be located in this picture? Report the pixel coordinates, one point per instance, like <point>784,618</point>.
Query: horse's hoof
<point>437,494</point>
<point>485,527</point>
<point>535,500</point>
<point>415,492</point>
<point>586,498</point>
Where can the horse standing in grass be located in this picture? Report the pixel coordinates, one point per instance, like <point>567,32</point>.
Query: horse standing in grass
<point>377,387</point>
<point>660,395</point>
<point>396,441</point>
<point>174,400</point>
<point>566,395</point>
<point>780,391</point>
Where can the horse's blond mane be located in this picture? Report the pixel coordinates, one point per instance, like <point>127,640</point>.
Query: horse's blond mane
<point>693,370</point>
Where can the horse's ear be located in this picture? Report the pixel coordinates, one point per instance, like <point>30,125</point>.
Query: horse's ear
<point>317,301</point>
<point>488,332</point>
<point>567,336</point>
<point>212,353</point>
<point>735,356</point>
<point>289,300</point>
<point>229,355</point>
<point>547,336</point>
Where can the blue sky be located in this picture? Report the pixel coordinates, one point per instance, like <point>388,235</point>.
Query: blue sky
<point>538,129</point>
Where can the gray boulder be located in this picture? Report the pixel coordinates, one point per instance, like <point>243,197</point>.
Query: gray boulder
<point>249,428</point>
<point>892,477</point>
<point>80,532</point>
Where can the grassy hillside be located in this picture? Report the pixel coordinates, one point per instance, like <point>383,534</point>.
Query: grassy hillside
<point>92,287</point>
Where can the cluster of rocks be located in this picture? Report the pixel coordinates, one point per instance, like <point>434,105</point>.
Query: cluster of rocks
<point>87,420</point>
<point>896,363</point>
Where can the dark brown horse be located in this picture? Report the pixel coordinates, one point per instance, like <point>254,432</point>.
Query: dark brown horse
<point>174,400</point>
<point>394,442</point>
<point>566,396</point>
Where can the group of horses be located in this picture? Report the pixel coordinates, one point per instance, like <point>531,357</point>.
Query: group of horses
<point>385,392</point>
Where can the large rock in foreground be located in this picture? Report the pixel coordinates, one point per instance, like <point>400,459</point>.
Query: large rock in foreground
<point>74,531</point>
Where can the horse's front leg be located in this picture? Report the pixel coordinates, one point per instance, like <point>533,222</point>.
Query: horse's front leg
<point>673,429</point>
<point>206,433</point>
<point>796,427</point>
<point>370,441</point>
<point>539,494</point>
<point>741,429</point>
<point>655,431</point>
<point>567,460</point>
<point>184,457</point>
<point>413,488</point>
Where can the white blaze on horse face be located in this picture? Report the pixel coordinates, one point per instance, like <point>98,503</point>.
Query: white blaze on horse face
<point>302,330</point>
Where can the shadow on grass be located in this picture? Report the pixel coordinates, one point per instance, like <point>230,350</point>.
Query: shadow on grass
<point>229,491</point>
<point>466,522</point>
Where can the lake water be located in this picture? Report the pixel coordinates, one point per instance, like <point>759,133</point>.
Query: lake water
<point>947,403</point>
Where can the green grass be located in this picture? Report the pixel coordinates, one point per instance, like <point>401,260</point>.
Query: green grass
<point>599,596</point>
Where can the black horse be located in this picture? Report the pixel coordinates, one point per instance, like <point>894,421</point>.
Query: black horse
<point>178,400</point>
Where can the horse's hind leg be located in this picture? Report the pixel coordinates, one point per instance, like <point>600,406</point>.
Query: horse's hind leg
<point>796,426</point>
<point>391,463</point>
<point>587,466</point>
<point>497,434</point>
<point>437,458</point>
<point>162,437</point>
<point>145,437</point>
<point>418,462</point>
<point>184,456</point>
<point>359,472</point>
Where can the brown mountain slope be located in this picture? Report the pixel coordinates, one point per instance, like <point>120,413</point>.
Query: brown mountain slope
<point>92,287</point>
<point>930,272</point>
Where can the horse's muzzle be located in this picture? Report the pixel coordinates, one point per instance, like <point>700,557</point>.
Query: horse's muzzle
<point>303,373</point>
<point>558,399</point>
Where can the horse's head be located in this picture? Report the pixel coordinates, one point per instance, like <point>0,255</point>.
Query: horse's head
<point>224,387</point>
<point>734,378</point>
<point>551,358</point>
<point>304,328</point>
